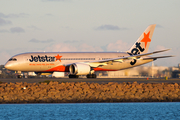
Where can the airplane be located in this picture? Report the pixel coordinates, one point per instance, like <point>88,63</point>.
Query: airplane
<point>85,63</point>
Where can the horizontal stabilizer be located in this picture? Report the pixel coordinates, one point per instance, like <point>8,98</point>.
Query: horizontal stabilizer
<point>154,58</point>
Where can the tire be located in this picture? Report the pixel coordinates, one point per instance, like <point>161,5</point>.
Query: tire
<point>94,76</point>
<point>73,76</point>
<point>19,76</point>
<point>91,76</point>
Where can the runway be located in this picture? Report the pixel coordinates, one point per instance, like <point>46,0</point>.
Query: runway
<point>90,80</point>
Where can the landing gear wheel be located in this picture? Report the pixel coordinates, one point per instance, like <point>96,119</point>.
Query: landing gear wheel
<point>73,76</point>
<point>19,76</point>
<point>91,76</point>
<point>94,76</point>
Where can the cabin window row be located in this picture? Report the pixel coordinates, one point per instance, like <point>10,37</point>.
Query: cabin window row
<point>83,58</point>
<point>77,58</point>
<point>105,58</point>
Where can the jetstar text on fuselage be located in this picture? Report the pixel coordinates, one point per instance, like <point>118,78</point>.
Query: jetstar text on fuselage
<point>42,58</point>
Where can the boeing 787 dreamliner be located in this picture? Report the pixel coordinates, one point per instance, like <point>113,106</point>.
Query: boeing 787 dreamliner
<point>86,63</point>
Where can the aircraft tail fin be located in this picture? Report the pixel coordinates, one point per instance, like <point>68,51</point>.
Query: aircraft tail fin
<point>141,46</point>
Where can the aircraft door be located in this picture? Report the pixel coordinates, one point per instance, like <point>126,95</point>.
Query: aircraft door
<point>25,58</point>
<point>98,58</point>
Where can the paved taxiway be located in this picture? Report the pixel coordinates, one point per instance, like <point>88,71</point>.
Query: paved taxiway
<point>97,80</point>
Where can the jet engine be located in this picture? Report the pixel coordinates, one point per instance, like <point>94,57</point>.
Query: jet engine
<point>79,69</point>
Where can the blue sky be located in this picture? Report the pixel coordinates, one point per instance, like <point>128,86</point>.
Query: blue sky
<point>87,25</point>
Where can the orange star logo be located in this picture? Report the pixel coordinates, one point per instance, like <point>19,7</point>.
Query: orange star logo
<point>58,57</point>
<point>146,38</point>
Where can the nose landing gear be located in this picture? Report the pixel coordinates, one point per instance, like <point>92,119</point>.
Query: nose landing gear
<point>19,76</point>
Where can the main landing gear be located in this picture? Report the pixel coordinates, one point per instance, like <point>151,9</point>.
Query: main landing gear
<point>73,76</point>
<point>88,76</point>
<point>91,76</point>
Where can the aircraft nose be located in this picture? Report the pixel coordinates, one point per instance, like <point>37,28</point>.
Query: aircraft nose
<point>8,65</point>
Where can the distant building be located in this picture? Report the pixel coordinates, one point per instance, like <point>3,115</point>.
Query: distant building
<point>133,72</point>
<point>32,74</point>
<point>58,74</point>
<point>176,74</point>
<point>141,71</point>
<point>174,68</point>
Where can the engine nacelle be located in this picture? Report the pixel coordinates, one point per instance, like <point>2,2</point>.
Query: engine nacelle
<point>79,69</point>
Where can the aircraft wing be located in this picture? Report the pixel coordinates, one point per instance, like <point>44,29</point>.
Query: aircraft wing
<point>122,59</point>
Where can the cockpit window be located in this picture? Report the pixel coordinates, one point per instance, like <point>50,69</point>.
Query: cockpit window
<point>12,59</point>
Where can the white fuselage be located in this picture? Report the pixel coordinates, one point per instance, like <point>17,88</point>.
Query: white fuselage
<point>50,62</point>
